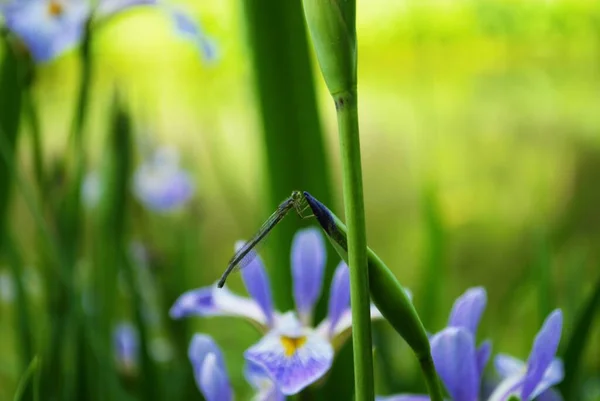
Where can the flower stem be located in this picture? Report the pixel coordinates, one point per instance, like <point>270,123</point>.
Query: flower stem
<point>347,113</point>
<point>431,378</point>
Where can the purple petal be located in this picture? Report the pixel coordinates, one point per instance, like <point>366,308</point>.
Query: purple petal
<point>213,381</point>
<point>190,29</point>
<point>198,302</point>
<point>125,338</point>
<point>483,356</point>
<point>549,395</point>
<point>202,345</point>
<point>293,356</point>
<point>257,284</point>
<point>209,368</point>
<point>260,381</point>
<point>403,397</point>
<point>46,31</point>
<point>162,189</point>
<point>106,8</point>
<point>508,387</point>
<point>453,351</point>
<point>507,365</point>
<point>339,298</point>
<point>553,375</point>
<point>213,301</point>
<point>308,263</point>
<point>543,352</point>
<point>468,308</point>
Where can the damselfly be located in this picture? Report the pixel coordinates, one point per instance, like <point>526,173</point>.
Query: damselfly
<point>247,252</point>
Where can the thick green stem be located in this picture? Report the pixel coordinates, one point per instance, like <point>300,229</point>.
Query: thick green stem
<point>431,379</point>
<point>347,112</point>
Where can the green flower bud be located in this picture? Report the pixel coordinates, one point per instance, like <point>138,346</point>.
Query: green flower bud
<point>332,26</point>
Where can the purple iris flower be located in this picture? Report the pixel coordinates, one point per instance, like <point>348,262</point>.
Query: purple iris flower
<point>160,183</point>
<point>126,344</point>
<point>211,376</point>
<point>460,363</point>
<point>293,353</point>
<point>534,379</point>
<point>49,28</point>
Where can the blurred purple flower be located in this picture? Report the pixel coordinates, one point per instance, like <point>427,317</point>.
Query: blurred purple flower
<point>126,343</point>
<point>211,375</point>
<point>293,353</point>
<point>51,27</point>
<point>160,184</point>
<point>534,379</point>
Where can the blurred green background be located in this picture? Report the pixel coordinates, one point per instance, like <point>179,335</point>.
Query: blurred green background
<point>480,131</point>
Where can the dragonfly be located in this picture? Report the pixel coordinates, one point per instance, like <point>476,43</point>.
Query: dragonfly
<point>246,254</point>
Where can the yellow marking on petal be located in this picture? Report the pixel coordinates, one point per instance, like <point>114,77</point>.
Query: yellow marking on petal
<point>291,344</point>
<point>55,9</point>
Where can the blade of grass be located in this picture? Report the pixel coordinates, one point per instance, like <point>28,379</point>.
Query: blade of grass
<point>432,285</point>
<point>573,352</point>
<point>23,325</point>
<point>10,116</point>
<point>32,369</point>
<point>110,230</point>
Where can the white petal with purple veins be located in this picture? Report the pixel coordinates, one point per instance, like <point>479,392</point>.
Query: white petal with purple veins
<point>293,356</point>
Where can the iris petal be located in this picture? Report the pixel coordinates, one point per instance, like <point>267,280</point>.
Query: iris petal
<point>213,381</point>
<point>507,365</point>
<point>339,298</point>
<point>198,302</point>
<point>213,301</point>
<point>47,36</point>
<point>258,378</point>
<point>553,375</point>
<point>308,264</point>
<point>293,356</point>
<point>257,284</point>
<point>453,351</point>
<point>209,368</point>
<point>468,308</point>
<point>542,353</point>
<point>483,356</point>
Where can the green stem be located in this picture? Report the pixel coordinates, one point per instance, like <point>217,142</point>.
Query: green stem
<point>431,379</point>
<point>36,148</point>
<point>347,113</point>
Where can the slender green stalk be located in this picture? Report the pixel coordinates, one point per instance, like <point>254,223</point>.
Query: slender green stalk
<point>23,324</point>
<point>347,113</point>
<point>31,370</point>
<point>36,142</point>
<point>579,339</point>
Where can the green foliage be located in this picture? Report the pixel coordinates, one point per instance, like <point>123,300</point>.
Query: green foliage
<point>578,341</point>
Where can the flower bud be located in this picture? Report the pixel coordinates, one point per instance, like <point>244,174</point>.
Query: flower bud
<point>333,30</point>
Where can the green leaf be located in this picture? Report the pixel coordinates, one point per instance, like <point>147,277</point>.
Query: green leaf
<point>387,294</point>
<point>11,89</point>
<point>292,132</point>
<point>31,370</point>
<point>573,352</point>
